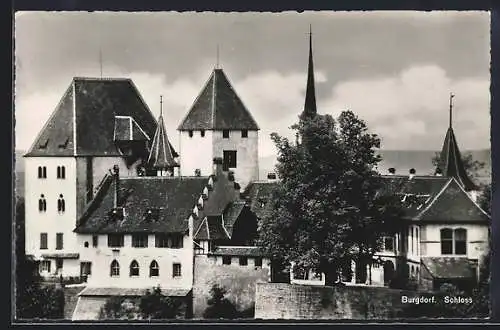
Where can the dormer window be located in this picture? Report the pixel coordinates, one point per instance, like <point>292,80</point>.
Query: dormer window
<point>44,144</point>
<point>64,144</point>
<point>152,214</point>
<point>116,213</point>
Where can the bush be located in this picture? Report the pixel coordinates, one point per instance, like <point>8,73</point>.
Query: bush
<point>119,308</point>
<point>219,307</point>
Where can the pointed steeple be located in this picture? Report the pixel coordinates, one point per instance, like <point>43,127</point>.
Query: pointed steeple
<point>160,156</point>
<point>451,163</point>
<point>310,102</point>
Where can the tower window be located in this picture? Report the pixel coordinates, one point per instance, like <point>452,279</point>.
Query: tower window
<point>114,268</point>
<point>42,172</point>
<point>176,270</point>
<point>229,159</point>
<point>243,261</point>
<point>61,172</point>
<point>59,241</point>
<point>225,133</point>
<point>42,203</point>
<point>43,241</point>
<point>95,240</point>
<point>61,204</point>
<point>190,134</point>
<point>202,133</point>
<point>134,268</point>
<point>154,269</point>
<point>244,133</point>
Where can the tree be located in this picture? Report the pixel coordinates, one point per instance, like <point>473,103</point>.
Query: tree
<point>219,307</point>
<point>472,167</point>
<point>485,198</point>
<point>120,308</point>
<point>154,305</point>
<point>328,210</point>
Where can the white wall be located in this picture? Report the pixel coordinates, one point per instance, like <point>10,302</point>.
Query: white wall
<point>51,221</point>
<point>196,153</point>
<point>102,256</point>
<point>477,239</point>
<point>247,154</point>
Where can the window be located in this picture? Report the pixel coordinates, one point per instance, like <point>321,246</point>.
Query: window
<point>45,266</point>
<point>229,159</point>
<point>86,244</point>
<point>258,262</point>
<point>115,268</point>
<point>59,241</point>
<point>202,133</point>
<point>389,243</point>
<point>85,268</point>
<point>446,241</point>
<point>411,240</point>
<point>460,241</point>
<point>42,203</point>
<point>43,241</point>
<point>95,240</point>
<point>134,268</point>
<point>244,133</point>
<point>59,265</point>
<point>140,241</point>
<point>226,260</point>
<point>61,204</point>
<point>154,270</point>
<point>176,270</point>
<point>115,240</point>
<point>190,134</point>
<point>61,172</point>
<point>169,241</point>
<point>243,261</point>
<point>225,133</point>
<point>42,172</point>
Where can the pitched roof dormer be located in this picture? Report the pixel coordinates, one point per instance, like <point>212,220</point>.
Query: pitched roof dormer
<point>161,155</point>
<point>450,162</point>
<point>218,107</point>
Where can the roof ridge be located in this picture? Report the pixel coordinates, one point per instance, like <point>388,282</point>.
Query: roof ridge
<point>179,128</point>
<point>122,79</point>
<point>214,97</point>
<point>473,201</point>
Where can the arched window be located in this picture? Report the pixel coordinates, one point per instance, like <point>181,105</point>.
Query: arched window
<point>115,268</point>
<point>154,269</point>
<point>460,241</point>
<point>61,204</point>
<point>446,241</point>
<point>42,203</point>
<point>134,268</point>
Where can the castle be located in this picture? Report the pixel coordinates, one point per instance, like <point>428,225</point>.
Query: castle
<point>110,200</point>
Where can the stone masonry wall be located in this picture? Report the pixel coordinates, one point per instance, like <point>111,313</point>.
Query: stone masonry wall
<point>289,301</point>
<point>239,281</point>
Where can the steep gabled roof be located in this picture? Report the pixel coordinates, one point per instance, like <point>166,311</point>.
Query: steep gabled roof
<point>83,122</point>
<point>451,163</point>
<point>218,107</point>
<point>160,156</point>
<point>174,197</point>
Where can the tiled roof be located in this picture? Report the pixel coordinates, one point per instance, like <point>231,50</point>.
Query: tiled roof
<point>448,267</point>
<point>258,194</point>
<point>83,122</point>
<point>451,163</point>
<point>248,251</point>
<point>130,292</point>
<point>127,129</point>
<point>160,156</point>
<point>231,214</point>
<point>174,197</point>
<point>218,107</point>
<point>211,228</point>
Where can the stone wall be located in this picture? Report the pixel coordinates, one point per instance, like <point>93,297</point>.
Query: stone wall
<point>289,301</point>
<point>239,281</point>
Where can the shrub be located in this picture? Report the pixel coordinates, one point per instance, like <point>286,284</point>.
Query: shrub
<point>154,305</point>
<point>219,307</point>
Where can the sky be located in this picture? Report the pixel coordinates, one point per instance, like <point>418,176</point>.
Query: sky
<point>395,70</point>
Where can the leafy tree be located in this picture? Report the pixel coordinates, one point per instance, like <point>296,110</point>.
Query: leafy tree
<point>485,198</point>
<point>154,305</point>
<point>120,308</point>
<point>328,209</point>
<point>219,307</point>
<point>472,167</point>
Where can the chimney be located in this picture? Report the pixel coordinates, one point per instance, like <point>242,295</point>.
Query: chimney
<point>392,171</point>
<point>116,175</point>
<point>412,173</point>
<point>218,171</point>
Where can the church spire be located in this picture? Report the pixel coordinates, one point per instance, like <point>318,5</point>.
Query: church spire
<point>161,157</point>
<point>450,161</point>
<point>310,102</point>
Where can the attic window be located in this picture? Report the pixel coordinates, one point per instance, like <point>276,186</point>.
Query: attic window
<point>64,144</point>
<point>44,144</point>
<point>152,214</point>
<point>116,213</point>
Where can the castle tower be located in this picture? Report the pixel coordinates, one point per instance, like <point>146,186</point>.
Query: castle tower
<point>219,125</point>
<point>450,162</point>
<point>161,159</point>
